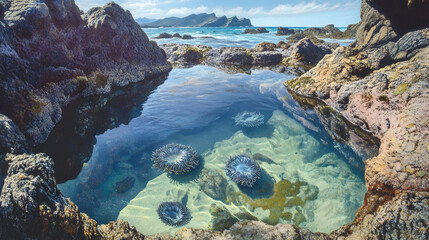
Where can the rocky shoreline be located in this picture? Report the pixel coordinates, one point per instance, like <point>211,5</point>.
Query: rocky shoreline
<point>380,83</point>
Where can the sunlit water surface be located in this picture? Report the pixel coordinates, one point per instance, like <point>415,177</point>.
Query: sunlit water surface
<point>225,36</point>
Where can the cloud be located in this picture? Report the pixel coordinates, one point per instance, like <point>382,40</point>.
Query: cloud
<point>283,9</point>
<point>159,8</point>
<point>184,11</point>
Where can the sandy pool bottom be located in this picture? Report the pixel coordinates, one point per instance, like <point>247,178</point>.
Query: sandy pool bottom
<point>304,182</point>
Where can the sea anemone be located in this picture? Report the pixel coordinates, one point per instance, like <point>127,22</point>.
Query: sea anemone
<point>174,213</point>
<point>175,158</point>
<point>243,170</point>
<point>249,119</point>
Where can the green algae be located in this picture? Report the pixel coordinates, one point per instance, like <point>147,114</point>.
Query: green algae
<point>286,196</point>
<point>401,88</point>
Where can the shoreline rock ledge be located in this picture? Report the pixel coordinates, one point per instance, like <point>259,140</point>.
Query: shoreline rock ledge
<point>52,53</point>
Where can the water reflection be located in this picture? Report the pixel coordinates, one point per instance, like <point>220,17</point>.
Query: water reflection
<point>72,140</point>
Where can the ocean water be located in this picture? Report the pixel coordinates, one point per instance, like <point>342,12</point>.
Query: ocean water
<point>225,37</point>
<point>305,179</point>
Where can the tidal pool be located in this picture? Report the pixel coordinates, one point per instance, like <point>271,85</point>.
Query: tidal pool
<point>311,160</point>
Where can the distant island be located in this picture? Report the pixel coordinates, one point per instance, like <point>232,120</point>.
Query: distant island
<point>144,20</point>
<point>200,20</point>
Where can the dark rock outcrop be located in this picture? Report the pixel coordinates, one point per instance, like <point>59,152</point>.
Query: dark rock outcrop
<point>12,140</point>
<point>306,52</point>
<point>281,31</point>
<point>164,35</point>
<point>265,46</point>
<point>200,20</point>
<point>258,30</point>
<point>50,55</point>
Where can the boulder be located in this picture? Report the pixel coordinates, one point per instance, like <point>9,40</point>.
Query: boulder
<point>283,45</point>
<point>186,37</point>
<point>165,35</point>
<point>281,31</point>
<point>307,53</point>
<point>267,58</point>
<point>255,31</point>
<point>265,46</point>
<point>176,35</point>
<point>301,35</point>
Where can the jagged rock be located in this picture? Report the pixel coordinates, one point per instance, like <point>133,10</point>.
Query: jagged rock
<point>255,31</point>
<point>177,35</point>
<point>283,45</point>
<point>265,46</point>
<point>11,138</point>
<point>281,31</point>
<point>306,52</point>
<point>301,35</point>
<point>50,55</point>
<point>404,217</point>
<point>119,230</point>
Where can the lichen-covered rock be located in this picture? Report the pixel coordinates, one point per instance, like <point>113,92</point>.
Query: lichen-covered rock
<point>11,138</point>
<point>50,55</point>
<point>119,230</point>
<point>405,217</point>
<point>183,55</point>
<point>265,46</point>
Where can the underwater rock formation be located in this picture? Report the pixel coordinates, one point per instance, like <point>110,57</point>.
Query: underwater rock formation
<point>175,158</point>
<point>174,213</point>
<point>243,170</point>
<point>125,184</point>
<point>249,119</point>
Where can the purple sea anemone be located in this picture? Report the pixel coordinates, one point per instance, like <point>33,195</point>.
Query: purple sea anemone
<point>243,170</point>
<point>249,119</point>
<point>174,213</point>
<point>175,158</point>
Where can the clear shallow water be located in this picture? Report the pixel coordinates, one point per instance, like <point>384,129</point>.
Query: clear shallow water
<point>304,176</point>
<point>225,37</point>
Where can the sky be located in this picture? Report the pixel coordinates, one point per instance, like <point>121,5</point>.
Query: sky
<point>288,13</point>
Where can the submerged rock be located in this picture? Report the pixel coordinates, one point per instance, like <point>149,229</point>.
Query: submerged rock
<point>125,184</point>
